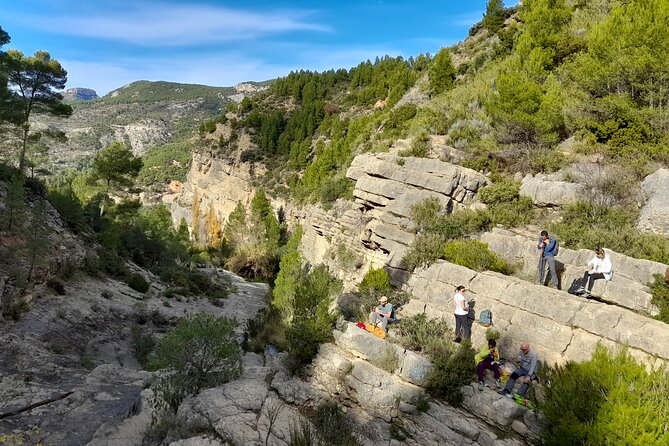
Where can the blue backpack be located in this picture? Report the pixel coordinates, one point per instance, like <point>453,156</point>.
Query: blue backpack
<point>485,318</point>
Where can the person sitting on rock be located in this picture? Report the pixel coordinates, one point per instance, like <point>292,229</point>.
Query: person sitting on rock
<point>599,267</point>
<point>525,372</point>
<point>488,359</point>
<point>382,313</point>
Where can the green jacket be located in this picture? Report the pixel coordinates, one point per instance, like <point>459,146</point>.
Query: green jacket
<point>485,351</point>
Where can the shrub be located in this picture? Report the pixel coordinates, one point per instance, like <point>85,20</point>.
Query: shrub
<point>593,402</point>
<point>137,282</point>
<point>57,285</point>
<point>333,427</point>
<point>506,206</point>
<point>200,352</point>
<point>660,291</point>
<point>421,334</point>
<point>475,255</point>
<point>450,372</point>
<point>388,361</point>
<point>491,333</point>
<point>312,320</point>
<point>142,344</point>
<point>424,250</point>
<point>502,192</point>
<point>375,280</point>
<point>585,225</point>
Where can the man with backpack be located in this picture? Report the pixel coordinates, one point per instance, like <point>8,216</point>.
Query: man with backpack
<point>547,247</point>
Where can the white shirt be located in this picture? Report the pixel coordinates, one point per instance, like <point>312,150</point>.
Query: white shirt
<point>457,301</point>
<point>601,266</point>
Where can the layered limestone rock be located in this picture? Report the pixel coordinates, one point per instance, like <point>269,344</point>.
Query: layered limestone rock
<point>654,215</point>
<point>266,401</point>
<point>551,190</point>
<point>628,287</point>
<point>213,188</point>
<point>559,326</point>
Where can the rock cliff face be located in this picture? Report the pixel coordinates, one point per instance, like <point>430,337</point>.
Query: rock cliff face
<point>377,228</point>
<point>210,194</point>
<point>79,94</point>
<point>655,212</point>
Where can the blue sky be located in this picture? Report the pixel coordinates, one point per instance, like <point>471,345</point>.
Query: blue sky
<point>106,44</point>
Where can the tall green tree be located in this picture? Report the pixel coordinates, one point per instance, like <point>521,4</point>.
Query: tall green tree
<point>116,164</point>
<point>493,18</point>
<point>33,83</point>
<point>442,73</point>
<point>8,109</point>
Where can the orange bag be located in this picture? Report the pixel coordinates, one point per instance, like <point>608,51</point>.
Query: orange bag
<point>376,331</point>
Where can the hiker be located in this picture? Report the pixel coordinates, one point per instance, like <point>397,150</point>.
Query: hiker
<point>462,327</point>
<point>382,313</point>
<point>525,373</point>
<point>488,359</point>
<point>547,248</point>
<point>599,267</point>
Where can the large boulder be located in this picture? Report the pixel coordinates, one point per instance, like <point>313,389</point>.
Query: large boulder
<point>654,215</point>
<point>550,190</point>
<point>628,287</point>
<point>560,326</point>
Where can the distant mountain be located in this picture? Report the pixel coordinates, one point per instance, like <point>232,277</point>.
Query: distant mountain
<point>79,94</point>
<point>142,114</point>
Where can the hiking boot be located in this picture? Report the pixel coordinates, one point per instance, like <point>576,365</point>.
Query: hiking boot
<point>498,384</point>
<point>509,395</point>
<point>481,386</point>
<point>503,392</point>
<point>579,290</point>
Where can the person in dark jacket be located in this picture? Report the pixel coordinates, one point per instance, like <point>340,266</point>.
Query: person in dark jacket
<point>547,250</point>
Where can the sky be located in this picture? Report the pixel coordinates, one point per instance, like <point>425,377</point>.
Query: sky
<point>105,44</point>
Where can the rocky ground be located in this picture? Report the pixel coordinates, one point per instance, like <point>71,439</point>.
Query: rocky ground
<point>72,355</point>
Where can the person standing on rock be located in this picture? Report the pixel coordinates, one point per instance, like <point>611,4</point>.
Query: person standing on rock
<point>462,327</point>
<point>525,373</point>
<point>547,247</point>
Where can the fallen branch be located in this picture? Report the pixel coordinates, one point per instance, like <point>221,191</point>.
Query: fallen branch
<point>34,405</point>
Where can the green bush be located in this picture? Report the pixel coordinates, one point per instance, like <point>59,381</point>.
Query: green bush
<point>610,399</point>
<point>660,291</point>
<point>201,352</point>
<point>585,225</point>
<point>388,361</point>
<point>506,206</point>
<point>450,372</point>
<point>475,255</point>
<point>422,334</point>
<point>425,249</point>
<point>142,343</point>
<point>502,192</point>
<point>137,282</point>
<point>376,280</point>
<point>312,320</point>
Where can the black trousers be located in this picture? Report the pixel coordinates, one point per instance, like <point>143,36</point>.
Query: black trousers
<point>590,278</point>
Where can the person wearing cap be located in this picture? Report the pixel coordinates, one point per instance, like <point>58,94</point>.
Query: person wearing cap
<point>383,313</point>
<point>525,373</point>
<point>462,328</point>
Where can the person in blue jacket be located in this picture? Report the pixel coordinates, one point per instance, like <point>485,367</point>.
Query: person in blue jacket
<point>547,248</point>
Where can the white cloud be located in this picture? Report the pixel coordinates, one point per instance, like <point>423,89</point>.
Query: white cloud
<point>153,24</point>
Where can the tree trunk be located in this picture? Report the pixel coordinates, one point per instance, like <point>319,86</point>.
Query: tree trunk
<point>24,144</point>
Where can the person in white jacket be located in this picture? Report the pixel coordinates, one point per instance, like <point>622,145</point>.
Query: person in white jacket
<point>599,267</point>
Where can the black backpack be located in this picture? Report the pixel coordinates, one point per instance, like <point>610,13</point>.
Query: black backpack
<point>575,285</point>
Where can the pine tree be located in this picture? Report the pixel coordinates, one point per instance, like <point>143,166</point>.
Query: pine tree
<point>493,19</point>
<point>442,73</point>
